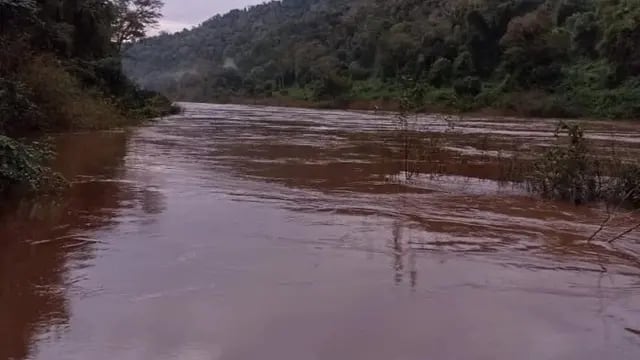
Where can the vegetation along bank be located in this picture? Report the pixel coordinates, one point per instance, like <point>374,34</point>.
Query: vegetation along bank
<point>60,70</point>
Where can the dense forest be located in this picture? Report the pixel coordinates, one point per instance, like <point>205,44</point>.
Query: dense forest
<point>532,57</point>
<point>60,69</point>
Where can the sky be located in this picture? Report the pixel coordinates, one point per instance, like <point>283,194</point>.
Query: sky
<point>180,14</point>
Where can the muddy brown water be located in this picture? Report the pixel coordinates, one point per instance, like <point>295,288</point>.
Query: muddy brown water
<point>235,232</point>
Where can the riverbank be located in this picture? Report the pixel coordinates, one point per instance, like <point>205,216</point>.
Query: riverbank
<point>60,70</point>
<point>24,163</point>
<point>358,105</point>
<point>533,105</point>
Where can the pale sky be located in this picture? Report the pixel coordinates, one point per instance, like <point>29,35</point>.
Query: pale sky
<point>180,14</point>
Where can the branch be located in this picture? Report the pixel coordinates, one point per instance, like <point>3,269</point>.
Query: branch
<point>601,228</point>
<point>612,213</point>
<point>624,233</point>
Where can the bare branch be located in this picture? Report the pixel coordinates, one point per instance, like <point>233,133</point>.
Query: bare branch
<point>611,214</point>
<point>624,233</point>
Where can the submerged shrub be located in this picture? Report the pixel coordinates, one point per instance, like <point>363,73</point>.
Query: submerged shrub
<point>624,185</point>
<point>568,171</point>
<point>573,171</point>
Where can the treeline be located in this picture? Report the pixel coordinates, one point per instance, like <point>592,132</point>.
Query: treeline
<point>533,57</point>
<point>60,69</point>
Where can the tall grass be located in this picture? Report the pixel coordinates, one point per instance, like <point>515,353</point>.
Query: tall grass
<point>64,102</point>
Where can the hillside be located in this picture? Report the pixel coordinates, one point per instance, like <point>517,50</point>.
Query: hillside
<point>533,57</point>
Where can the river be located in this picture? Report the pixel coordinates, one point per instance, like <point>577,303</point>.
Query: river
<point>235,232</point>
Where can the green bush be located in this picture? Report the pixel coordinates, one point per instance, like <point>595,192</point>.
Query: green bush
<point>463,65</point>
<point>440,72</point>
<point>18,113</point>
<point>63,100</point>
<point>23,169</point>
<point>618,103</point>
<point>331,86</point>
<point>625,185</point>
<point>358,72</point>
<point>469,86</point>
<point>571,170</point>
<point>568,171</point>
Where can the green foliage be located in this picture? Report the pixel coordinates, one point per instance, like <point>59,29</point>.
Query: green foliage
<point>620,24</point>
<point>584,31</point>
<point>440,72</point>
<point>22,167</point>
<point>568,171</point>
<point>60,70</point>
<point>14,13</point>
<point>571,170</point>
<point>331,86</point>
<point>624,185</point>
<point>535,44</point>
<point>67,104</point>
<point>16,103</point>
<point>470,85</point>
<point>463,65</point>
<point>132,18</point>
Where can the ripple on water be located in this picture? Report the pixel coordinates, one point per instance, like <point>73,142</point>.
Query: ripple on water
<point>238,232</point>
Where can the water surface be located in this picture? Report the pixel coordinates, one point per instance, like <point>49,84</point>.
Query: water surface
<point>236,232</point>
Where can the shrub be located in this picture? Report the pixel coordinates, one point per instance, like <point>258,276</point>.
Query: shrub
<point>66,104</point>
<point>441,96</point>
<point>568,171</point>
<point>538,104</point>
<point>470,85</point>
<point>463,65</point>
<point>573,171</point>
<point>331,86</point>
<point>358,72</point>
<point>18,114</point>
<point>22,167</point>
<point>624,186</point>
<point>619,103</point>
<point>440,72</point>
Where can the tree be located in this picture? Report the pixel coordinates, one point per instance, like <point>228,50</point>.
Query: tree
<point>331,86</point>
<point>621,24</point>
<point>16,13</point>
<point>463,65</point>
<point>509,45</point>
<point>584,33</point>
<point>133,18</point>
<point>470,85</point>
<point>440,72</point>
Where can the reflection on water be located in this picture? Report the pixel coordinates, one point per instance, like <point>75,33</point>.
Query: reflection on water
<point>46,242</point>
<point>404,257</point>
<point>239,232</point>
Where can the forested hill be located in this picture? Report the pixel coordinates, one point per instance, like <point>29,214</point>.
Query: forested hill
<point>537,57</point>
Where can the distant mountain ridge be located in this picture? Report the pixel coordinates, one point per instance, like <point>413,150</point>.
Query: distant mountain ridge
<point>566,57</point>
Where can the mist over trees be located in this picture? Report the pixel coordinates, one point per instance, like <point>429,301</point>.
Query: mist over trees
<point>537,57</point>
